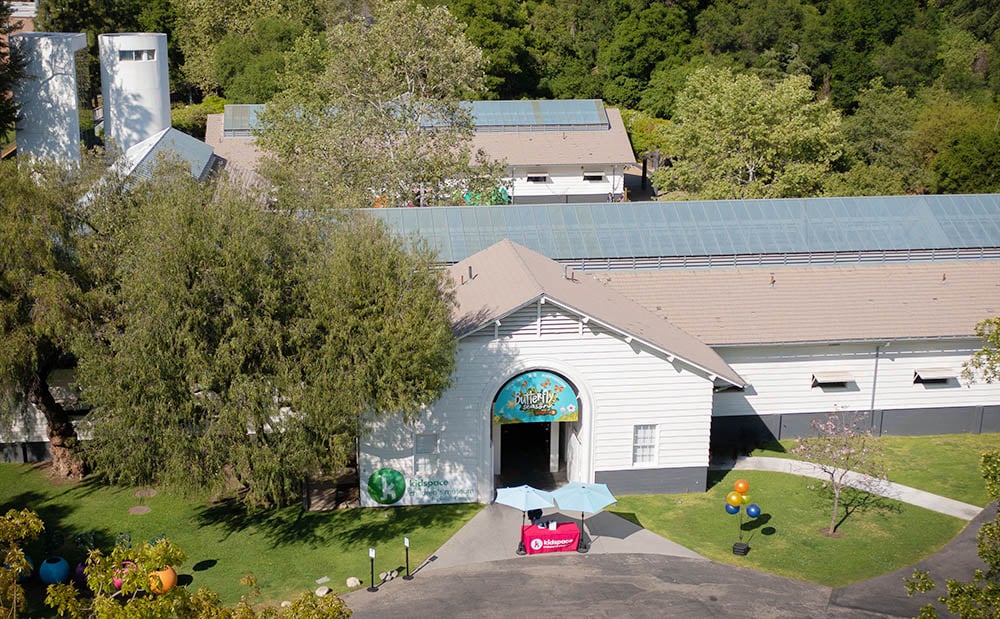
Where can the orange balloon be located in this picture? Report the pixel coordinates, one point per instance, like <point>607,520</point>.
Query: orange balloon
<point>734,498</point>
<point>163,580</point>
<point>742,486</point>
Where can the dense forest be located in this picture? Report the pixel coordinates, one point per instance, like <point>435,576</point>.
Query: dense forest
<point>912,85</point>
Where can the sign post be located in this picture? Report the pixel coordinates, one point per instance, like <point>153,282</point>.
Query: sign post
<point>406,543</point>
<point>371,555</point>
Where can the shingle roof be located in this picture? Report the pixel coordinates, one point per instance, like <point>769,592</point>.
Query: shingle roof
<point>507,276</point>
<point>819,304</point>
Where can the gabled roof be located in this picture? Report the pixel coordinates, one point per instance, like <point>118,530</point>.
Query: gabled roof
<point>140,158</point>
<point>508,276</point>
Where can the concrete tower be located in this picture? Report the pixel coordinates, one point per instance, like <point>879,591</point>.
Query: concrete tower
<point>50,123</point>
<point>135,84</point>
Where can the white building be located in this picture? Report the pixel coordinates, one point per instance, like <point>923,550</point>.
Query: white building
<point>49,124</point>
<point>135,86</point>
<point>555,150</point>
<point>690,331</point>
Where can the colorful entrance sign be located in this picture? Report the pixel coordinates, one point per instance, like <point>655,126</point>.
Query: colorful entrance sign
<point>534,397</point>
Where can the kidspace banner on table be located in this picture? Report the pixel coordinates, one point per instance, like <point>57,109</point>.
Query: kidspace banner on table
<point>534,397</point>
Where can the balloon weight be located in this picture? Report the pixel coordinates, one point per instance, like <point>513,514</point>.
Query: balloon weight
<point>732,509</point>
<point>734,498</point>
<point>753,510</point>
<point>742,486</point>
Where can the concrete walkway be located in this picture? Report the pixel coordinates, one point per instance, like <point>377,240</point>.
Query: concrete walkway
<point>873,485</point>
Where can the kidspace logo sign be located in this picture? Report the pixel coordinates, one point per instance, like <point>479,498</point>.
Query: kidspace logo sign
<point>386,486</point>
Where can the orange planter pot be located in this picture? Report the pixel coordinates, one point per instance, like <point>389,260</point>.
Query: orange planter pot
<point>163,580</point>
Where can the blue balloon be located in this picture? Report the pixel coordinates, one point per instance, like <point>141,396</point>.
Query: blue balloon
<point>753,510</point>
<point>732,509</point>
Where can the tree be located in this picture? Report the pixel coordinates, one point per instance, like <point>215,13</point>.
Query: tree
<point>985,362</point>
<point>41,290</point>
<point>382,119</point>
<point>737,136</point>
<point>970,163</point>
<point>243,345</point>
<point>138,594</point>
<point>879,146</point>
<point>842,447</point>
<point>247,65</point>
<point>16,527</point>
<point>978,598</point>
<point>12,69</point>
<point>206,24</point>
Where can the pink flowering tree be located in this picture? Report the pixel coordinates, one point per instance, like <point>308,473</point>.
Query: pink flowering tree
<point>843,447</point>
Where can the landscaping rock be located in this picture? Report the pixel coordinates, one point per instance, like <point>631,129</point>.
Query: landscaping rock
<point>320,592</point>
<point>353,582</point>
<point>286,604</point>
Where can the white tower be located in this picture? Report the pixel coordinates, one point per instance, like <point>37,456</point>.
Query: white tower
<point>135,84</point>
<point>49,126</point>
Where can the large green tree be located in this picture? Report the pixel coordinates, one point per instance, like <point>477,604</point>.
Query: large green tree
<point>738,136</point>
<point>41,291</point>
<point>244,344</point>
<point>372,112</point>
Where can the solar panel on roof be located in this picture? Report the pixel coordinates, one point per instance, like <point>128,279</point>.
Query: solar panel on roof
<point>538,115</point>
<point>671,229</point>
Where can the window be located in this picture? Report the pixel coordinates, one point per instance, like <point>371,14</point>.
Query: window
<point>538,178</point>
<point>933,376</point>
<point>425,453</point>
<point>644,444</point>
<point>829,380</point>
<point>595,177</point>
<point>136,54</point>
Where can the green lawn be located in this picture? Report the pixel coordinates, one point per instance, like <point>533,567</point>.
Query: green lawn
<point>877,537</point>
<point>286,550</point>
<point>947,464</point>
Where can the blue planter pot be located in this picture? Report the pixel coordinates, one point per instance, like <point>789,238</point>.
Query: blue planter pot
<point>54,570</point>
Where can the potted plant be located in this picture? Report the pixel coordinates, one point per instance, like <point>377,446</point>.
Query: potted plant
<point>162,555</point>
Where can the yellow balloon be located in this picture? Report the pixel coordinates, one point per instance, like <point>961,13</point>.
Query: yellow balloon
<point>734,498</point>
<point>745,498</point>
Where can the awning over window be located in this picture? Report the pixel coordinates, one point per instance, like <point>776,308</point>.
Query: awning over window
<point>831,379</point>
<point>937,375</point>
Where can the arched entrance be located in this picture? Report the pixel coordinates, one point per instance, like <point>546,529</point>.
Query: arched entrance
<point>531,412</point>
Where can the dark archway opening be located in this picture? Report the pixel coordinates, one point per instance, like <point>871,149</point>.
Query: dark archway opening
<point>524,455</point>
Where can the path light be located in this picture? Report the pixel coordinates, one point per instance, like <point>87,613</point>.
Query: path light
<point>371,555</point>
<point>406,544</point>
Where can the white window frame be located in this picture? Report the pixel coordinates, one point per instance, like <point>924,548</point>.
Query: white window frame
<point>645,437</point>
<point>425,457</point>
<point>537,177</point>
<point>593,176</point>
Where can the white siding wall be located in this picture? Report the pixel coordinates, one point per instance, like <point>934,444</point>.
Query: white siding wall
<point>620,385</point>
<point>567,181</point>
<point>780,378</point>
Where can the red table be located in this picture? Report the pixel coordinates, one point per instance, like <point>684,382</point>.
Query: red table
<point>565,538</point>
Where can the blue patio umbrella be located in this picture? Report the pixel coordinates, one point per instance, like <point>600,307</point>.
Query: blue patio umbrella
<point>577,496</point>
<point>524,498</point>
